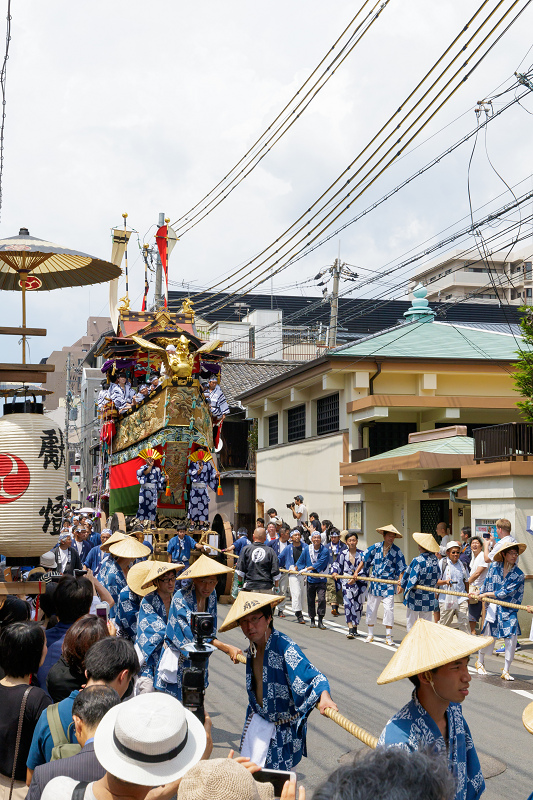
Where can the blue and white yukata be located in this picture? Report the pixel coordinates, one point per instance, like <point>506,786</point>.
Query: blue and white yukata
<point>353,596</point>
<point>412,729</point>
<point>218,405</point>
<point>391,566</point>
<point>291,689</point>
<point>151,627</point>
<point>169,673</point>
<point>152,483</point>
<point>127,611</point>
<point>95,561</point>
<point>501,622</point>
<point>202,475</point>
<point>121,397</point>
<point>334,589</point>
<point>180,549</point>
<point>423,569</point>
<point>114,581</point>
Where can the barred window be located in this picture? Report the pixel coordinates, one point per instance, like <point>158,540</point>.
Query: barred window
<point>296,423</point>
<point>327,414</point>
<point>272,430</point>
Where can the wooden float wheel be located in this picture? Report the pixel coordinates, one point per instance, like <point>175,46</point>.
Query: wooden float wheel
<point>222,526</point>
<point>117,522</point>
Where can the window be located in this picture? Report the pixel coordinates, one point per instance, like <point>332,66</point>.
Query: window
<point>327,414</point>
<point>353,515</point>
<point>272,430</point>
<point>296,423</point>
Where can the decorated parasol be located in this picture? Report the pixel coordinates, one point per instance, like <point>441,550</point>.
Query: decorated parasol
<point>31,264</point>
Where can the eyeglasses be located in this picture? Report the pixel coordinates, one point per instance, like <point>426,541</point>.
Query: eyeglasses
<point>255,619</point>
<point>167,579</point>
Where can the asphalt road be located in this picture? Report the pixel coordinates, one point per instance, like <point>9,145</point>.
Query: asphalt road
<point>493,709</point>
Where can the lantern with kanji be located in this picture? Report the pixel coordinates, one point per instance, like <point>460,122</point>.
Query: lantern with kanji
<point>32,482</point>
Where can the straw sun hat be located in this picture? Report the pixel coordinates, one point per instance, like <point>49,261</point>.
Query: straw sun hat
<point>128,547</point>
<point>427,541</point>
<point>428,646</point>
<point>113,539</point>
<point>204,567</point>
<point>150,740</point>
<point>527,717</point>
<point>245,604</point>
<point>223,779</point>
<point>501,550</point>
<point>156,569</point>
<point>390,529</point>
<point>136,577</point>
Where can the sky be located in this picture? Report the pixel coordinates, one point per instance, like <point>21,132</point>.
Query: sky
<point>142,107</point>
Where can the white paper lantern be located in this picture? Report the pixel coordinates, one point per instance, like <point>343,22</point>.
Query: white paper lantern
<point>32,483</point>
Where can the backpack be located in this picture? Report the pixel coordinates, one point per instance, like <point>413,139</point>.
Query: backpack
<point>62,746</point>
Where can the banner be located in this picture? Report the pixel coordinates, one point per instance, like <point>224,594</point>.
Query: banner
<point>166,239</point>
<point>121,238</point>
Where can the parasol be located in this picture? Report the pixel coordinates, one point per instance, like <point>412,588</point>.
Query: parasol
<point>28,263</point>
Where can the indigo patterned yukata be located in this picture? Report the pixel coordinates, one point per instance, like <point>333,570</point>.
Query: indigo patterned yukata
<point>202,475</point>
<point>151,626</point>
<point>178,632</point>
<point>218,405</point>
<point>424,570</point>
<point>511,590</point>
<point>114,581</point>
<point>412,729</point>
<point>120,396</point>
<point>151,483</point>
<point>291,689</point>
<point>388,566</point>
<point>127,610</point>
<point>353,596</point>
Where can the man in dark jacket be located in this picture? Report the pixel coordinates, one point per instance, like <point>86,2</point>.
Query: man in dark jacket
<point>257,568</point>
<point>88,710</point>
<point>315,559</point>
<point>67,557</point>
<point>466,550</point>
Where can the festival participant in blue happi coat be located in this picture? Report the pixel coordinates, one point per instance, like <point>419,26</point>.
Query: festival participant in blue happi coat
<point>504,581</point>
<point>423,570</point>
<point>199,596</point>
<point>152,621</point>
<point>283,686</point>
<point>129,600</point>
<point>152,480</point>
<point>435,659</point>
<point>180,546</point>
<point>106,560</point>
<point>334,590</point>
<point>387,561</point>
<point>122,555</point>
<point>314,559</point>
<point>353,592</point>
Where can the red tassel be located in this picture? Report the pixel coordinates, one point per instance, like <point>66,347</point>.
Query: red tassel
<point>219,490</point>
<point>167,491</point>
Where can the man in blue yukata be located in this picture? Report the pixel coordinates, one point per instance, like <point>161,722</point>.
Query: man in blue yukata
<point>423,570</point>
<point>283,686</point>
<point>435,659</point>
<point>180,546</point>
<point>315,559</point>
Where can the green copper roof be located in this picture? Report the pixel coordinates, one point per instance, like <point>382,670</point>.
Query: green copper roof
<point>426,338</point>
<point>454,445</point>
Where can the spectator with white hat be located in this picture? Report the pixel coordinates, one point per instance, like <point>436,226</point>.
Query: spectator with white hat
<point>453,575</point>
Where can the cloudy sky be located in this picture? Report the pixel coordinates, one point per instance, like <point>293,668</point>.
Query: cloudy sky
<point>143,107</point>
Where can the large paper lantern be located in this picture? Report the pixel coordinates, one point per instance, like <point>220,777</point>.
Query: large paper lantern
<point>32,483</point>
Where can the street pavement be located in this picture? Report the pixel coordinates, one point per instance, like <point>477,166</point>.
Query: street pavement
<point>493,709</point>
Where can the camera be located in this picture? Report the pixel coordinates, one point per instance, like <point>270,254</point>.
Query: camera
<point>290,505</point>
<point>198,652</point>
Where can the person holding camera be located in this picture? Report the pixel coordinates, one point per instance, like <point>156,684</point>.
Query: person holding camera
<point>199,596</point>
<point>299,511</point>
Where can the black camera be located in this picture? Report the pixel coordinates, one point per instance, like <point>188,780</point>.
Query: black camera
<point>193,683</point>
<point>290,505</point>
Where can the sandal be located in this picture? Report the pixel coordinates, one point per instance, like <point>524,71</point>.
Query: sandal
<point>480,668</point>
<point>505,676</point>
<point>350,634</point>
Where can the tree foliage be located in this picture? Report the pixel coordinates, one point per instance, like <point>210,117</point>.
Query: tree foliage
<point>523,376</point>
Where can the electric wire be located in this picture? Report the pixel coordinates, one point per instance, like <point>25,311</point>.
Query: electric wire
<point>3,76</point>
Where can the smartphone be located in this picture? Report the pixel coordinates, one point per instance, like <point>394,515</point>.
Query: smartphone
<point>486,535</point>
<point>277,777</point>
<point>102,610</point>
<point>79,573</point>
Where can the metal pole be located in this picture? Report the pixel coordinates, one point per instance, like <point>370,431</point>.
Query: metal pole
<point>67,419</point>
<point>158,298</point>
<point>332,335</point>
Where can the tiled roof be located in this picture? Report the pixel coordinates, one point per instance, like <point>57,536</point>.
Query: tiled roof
<point>429,339</point>
<point>240,375</point>
<point>455,445</point>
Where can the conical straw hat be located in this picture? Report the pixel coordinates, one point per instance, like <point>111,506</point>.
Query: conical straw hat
<point>527,717</point>
<point>156,570</point>
<point>427,541</point>
<point>136,576</point>
<point>113,539</point>
<point>429,645</point>
<point>501,550</point>
<point>204,567</point>
<point>390,529</point>
<point>246,603</point>
<point>129,547</point>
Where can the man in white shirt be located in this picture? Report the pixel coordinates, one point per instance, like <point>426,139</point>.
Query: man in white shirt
<point>299,511</point>
<point>454,576</point>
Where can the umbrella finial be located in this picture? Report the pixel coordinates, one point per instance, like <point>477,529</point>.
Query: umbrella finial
<point>124,215</point>
<point>24,232</point>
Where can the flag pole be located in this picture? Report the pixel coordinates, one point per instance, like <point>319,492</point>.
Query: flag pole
<point>126,255</point>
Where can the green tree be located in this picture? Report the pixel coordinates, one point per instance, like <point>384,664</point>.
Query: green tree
<point>523,377</point>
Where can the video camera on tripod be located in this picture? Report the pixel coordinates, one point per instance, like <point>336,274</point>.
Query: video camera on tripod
<point>198,651</point>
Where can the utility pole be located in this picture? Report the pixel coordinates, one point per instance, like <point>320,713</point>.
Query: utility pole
<point>158,299</point>
<point>334,304</point>
<point>68,397</point>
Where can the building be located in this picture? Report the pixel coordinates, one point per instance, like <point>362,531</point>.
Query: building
<point>359,431</point>
<point>507,278</point>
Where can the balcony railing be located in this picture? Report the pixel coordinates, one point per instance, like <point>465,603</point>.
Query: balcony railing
<point>505,442</point>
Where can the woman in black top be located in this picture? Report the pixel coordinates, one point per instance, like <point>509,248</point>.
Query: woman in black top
<point>22,651</point>
<point>68,674</point>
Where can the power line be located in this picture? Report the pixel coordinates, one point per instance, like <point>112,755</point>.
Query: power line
<point>3,75</point>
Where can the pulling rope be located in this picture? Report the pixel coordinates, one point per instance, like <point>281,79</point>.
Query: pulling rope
<point>348,725</point>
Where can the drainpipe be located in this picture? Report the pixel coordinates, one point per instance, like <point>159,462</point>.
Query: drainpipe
<point>454,499</point>
<point>373,377</point>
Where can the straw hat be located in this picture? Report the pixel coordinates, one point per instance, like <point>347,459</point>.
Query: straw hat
<point>155,570</point>
<point>150,740</point>
<point>427,541</point>
<point>128,547</point>
<point>527,717</point>
<point>136,577</point>
<point>428,646</point>
<point>501,550</point>
<point>113,539</point>
<point>204,567</point>
<point>345,534</point>
<point>223,779</point>
<point>390,529</point>
<point>247,602</point>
